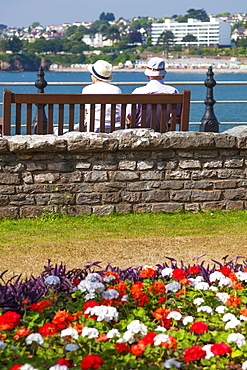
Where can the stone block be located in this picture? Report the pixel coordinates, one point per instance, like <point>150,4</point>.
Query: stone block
<point>145,165</point>
<point>206,185</point>
<point>181,195</point>
<point>98,176</point>
<point>103,210</point>
<point>9,179</point>
<point>171,185</point>
<point>88,198</point>
<point>167,207</point>
<point>225,184</point>
<point>213,206</point>
<point>155,196</point>
<point>140,207</point>
<point>9,211</point>
<point>192,207</point>
<point>202,196</point>
<point>177,175</point>
<point>235,206</point>
<point>127,165</point>
<point>190,164</point>
<point>235,194</point>
<point>125,176</point>
<point>151,175</point>
<point>234,163</point>
<point>217,163</point>
<point>131,197</point>
<point>124,208</point>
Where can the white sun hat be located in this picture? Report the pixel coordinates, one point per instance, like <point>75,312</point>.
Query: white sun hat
<point>101,70</point>
<point>155,67</point>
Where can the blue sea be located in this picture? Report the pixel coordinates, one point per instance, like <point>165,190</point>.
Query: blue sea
<point>232,113</point>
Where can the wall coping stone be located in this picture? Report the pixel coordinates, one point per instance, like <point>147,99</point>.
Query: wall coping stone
<point>125,140</point>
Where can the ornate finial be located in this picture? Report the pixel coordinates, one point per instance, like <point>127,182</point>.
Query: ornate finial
<point>41,82</point>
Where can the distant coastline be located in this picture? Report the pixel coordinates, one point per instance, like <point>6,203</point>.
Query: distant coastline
<point>169,70</point>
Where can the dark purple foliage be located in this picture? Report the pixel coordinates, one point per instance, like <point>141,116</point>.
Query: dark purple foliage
<point>15,290</point>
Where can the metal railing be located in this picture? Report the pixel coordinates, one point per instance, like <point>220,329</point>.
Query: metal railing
<point>209,101</point>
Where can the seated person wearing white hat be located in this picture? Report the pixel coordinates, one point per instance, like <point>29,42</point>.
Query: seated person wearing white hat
<point>155,72</point>
<point>101,74</point>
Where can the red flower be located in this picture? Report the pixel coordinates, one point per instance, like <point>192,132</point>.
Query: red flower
<point>102,338</point>
<point>48,329</point>
<point>137,349</point>
<point>149,338</point>
<point>122,347</point>
<point>225,271</point>
<point>194,353</point>
<point>9,320</point>
<point>22,332</point>
<point>147,272</point>
<point>76,281</point>
<point>65,361</point>
<point>178,274</point>
<point>193,270</point>
<point>220,349</point>
<point>16,367</point>
<point>39,306</point>
<point>90,304</point>
<point>199,327</point>
<point>91,362</point>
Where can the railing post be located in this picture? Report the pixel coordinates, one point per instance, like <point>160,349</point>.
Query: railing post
<point>209,122</point>
<point>39,127</point>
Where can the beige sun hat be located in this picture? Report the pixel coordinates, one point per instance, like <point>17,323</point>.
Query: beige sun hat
<point>101,69</point>
<point>155,67</point>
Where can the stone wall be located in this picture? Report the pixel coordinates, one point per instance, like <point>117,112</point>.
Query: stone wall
<point>129,170</point>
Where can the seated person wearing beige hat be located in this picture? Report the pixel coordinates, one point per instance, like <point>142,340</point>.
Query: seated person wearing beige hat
<point>155,72</point>
<point>101,74</point>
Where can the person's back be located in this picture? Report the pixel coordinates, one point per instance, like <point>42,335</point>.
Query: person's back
<point>101,73</point>
<point>155,72</point>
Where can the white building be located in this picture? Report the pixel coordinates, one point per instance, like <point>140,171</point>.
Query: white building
<point>212,33</point>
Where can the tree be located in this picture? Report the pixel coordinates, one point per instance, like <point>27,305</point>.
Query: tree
<point>166,39</point>
<point>107,17</point>
<point>226,14</point>
<point>35,24</point>
<point>70,31</point>
<point>199,14</point>
<point>188,39</point>
<point>14,44</point>
<point>3,26</point>
<point>113,33</point>
<point>135,37</point>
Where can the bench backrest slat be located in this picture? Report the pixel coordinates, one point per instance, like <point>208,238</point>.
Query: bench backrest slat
<point>164,111</point>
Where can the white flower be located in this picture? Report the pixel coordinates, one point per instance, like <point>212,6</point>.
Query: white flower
<point>137,327</point>
<point>214,289</point>
<point>232,324</point>
<point>59,367</point>
<point>222,297</point>
<point>90,296</point>
<point>188,320</point>
<point>167,272</point>
<point>207,348</point>
<point>237,338</point>
<point>34,337</point>
<point>221,309</point>
<point>202,286</point>
<point>93,277</point>
<point>241,275</point>
<point>161,338</point>
<point>28,367</point>
<point>244,365</point>
<point>243,318</point>
<point>160,328</point>
<point>194,281</point>
<point>110,294</point>
<point>113,333</point>
<point>207,309</point>
<point>174,315</point>
<point>107,313</point>
<point>70,347</point>
<point>228,317</point>
<point>69,332</point>
<point>217,275</point>
<point>125,298</point>
<point>225,281</point>
<point>109,278</point>
<point>171,363</point>
<point>90,286</point>
<point>2,344</point>
<point>173,287</point>
<point>52,280</point>
<point>198,301</point>
<point>89,332</point>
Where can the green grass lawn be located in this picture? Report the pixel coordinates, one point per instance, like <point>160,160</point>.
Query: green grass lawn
<point>137,225</point>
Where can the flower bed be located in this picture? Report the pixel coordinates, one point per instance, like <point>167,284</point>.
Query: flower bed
<point>172,317</point>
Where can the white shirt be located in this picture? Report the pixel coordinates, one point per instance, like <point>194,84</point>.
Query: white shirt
<point>101,87</point>
<point>152,87</point>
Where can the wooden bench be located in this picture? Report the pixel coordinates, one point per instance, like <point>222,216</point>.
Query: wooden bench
<point>24,106</point>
